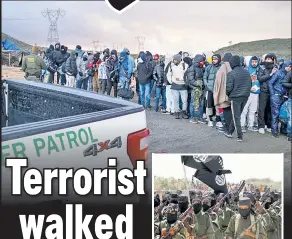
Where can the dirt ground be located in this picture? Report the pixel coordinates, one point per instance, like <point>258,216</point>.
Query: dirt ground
<point>14,73</point>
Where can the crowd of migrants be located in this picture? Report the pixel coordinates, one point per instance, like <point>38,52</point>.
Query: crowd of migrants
<point>205,215</point>
<point>230,93</point>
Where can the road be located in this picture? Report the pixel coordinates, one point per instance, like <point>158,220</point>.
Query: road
<point>169,135</point>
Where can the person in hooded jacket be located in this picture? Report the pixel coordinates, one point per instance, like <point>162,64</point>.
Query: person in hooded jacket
<point>176,76</point>
<point>82,68</point>
<point>280,62</point>
<point>209,80</point>
<point>265,72</point>
<point>49,51</point>
<point>158,75</point>
<point>287,83</point>
<point>56,60</point>
<point>238,90</point>
<point>113,73</point>
<point>145,73</point>
<point>103,73</point>
<point>221,100</point>
<point>149,58</point>
<point>136,76</point>
<point>252,103</point>
<point>125,71</point>
<point>71,69</point>
<point>276,89</point>
<point>95,66</point>
<point>65,56</point>
<point>194,80</point>
<point>187,60</point>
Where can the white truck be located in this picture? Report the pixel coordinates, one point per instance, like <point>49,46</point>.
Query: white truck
<point>61,127</point>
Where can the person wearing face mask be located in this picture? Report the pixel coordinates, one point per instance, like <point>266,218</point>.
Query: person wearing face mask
<point>113,73</point>
<point>144,75</point>
<point>55,60</point>
<point>201,226</point>
<point>171,214</point>
<point>71,69</point>
<point>206,205</point>
<point>95,86</point>
<point>194,80</point>
<point>269,219</point>
<point>209,81</point>
<point>238,86</point>
<point>242,221</point>
<point>176,76</point>
<point>159,77</point>
<point>224,214</point>
<point>82,77</point>
<point>265,72</point>
<point>183,203</point>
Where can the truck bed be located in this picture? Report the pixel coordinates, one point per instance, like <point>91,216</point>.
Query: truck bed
<point>35,108</point>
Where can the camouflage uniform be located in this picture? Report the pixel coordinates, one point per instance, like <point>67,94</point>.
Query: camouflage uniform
<point>33,65</point>
<point>172,209</point>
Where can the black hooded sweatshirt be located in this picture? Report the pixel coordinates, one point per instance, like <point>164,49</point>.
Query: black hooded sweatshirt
<point>238,80</point>
<point>57,57</point>
<point>195,73</point>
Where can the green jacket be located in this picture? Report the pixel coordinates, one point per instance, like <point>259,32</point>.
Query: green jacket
<point>210,76</point>
<point>203,226</point>
<point>181,234</point>
<point>33,65</point>
<point>238,224</point>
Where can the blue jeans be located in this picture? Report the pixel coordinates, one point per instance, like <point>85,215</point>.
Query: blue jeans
<point>160,91</point>
<point>82,83</point>
<point>145,92</point>
<point>201,111</point>
<point>90,83</point>
<point>289,119</point>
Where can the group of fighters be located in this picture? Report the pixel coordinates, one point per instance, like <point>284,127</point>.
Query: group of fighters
<point>210,216</point>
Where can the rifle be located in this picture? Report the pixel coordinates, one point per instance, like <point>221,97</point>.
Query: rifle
<point>176,227</point>
<point>247,231</point>
<point>218,204</point>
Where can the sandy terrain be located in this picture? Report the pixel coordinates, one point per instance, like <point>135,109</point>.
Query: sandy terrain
<point>14,73</point>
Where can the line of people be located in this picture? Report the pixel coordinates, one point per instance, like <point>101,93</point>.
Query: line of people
<point>226,93</point>
<point>235,95</point>
<point>211,216</point>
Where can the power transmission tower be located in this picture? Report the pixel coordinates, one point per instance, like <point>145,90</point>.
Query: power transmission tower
<point>95,44</point>
<point>53,16</point>
<point>141,41</point>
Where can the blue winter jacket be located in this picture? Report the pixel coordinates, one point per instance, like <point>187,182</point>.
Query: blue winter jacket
<point>276,81</point>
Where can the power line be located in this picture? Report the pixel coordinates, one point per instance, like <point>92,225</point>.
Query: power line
<point>53,16</point>
<point>141,40</point>
<point>96,44</point>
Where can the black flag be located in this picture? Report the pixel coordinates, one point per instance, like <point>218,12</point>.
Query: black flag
<point>209,171</point>
<point>120,5</point>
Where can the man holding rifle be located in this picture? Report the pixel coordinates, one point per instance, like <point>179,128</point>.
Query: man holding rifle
<point>245,225</point>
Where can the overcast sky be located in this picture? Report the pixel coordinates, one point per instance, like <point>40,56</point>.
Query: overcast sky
<point>242,166</point>
<point>168,26</point>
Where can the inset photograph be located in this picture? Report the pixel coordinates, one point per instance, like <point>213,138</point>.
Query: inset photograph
<point>226,196</point>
